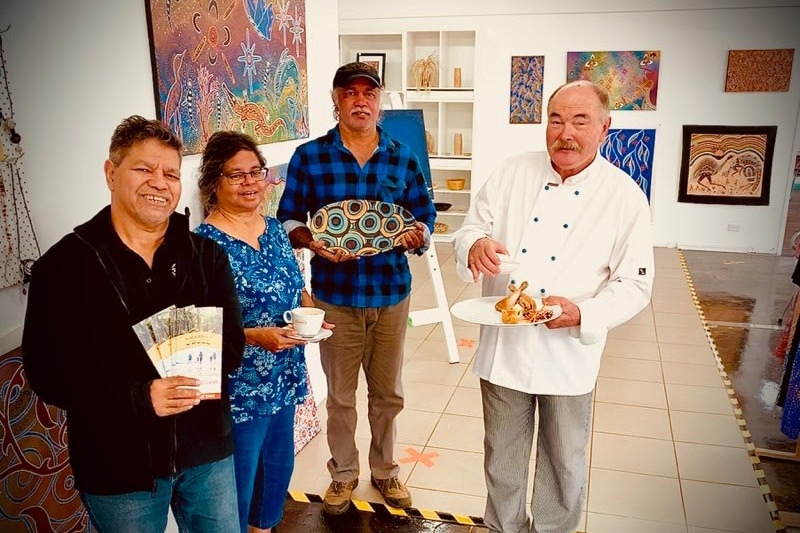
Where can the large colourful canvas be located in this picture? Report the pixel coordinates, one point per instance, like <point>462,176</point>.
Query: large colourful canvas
<point>726,164</point>
<point>631,78</point>
<point>527,76</point>
<point>230,65</point>
<point>36,480</point>
<point>632,150</point>
<point>759,70</point>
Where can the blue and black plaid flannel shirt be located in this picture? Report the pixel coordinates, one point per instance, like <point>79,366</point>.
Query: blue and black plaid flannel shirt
<point>323,171</point>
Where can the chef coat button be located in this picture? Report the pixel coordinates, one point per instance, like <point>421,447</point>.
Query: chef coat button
<point>542,290</point>
<point>524,250</point>
<point>536,219</point>
<point>552,258</point>
<point>547,187</point>
<point>513,282</point>
<point>566,226</point>
<point>577,193</point>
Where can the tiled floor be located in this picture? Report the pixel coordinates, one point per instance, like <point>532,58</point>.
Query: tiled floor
<point>667,454</point>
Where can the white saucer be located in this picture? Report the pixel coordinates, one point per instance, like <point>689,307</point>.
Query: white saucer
<point>323,334</point>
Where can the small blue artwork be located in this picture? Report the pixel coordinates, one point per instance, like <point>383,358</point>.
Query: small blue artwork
<point>408,127</point>
<point>632,151</point>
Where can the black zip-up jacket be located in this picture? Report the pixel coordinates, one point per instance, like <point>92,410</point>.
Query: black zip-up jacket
<point>81,354</point>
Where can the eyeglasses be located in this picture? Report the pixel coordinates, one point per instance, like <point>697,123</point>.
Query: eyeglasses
<point>237,178</point>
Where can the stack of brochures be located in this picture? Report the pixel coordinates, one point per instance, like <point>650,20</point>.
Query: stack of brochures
<point>186,341</point>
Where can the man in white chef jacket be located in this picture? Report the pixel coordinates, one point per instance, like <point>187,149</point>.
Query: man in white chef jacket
<point>580,229</point>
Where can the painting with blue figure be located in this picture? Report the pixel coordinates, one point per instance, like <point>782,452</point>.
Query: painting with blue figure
<point>632,151</point>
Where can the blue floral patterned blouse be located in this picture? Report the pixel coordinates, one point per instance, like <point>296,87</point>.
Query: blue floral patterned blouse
<point>268,282</point>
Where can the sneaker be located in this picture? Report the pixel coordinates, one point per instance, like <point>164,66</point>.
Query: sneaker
<point>337,497</point>
<point>393,491</point>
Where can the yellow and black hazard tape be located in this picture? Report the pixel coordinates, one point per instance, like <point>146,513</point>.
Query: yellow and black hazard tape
<point>381,508</point>
<point>737,410</point>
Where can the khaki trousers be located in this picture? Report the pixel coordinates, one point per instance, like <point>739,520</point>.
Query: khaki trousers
<point>369,338</point>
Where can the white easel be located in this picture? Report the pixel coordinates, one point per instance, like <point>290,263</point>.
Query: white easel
<point>440,313</point>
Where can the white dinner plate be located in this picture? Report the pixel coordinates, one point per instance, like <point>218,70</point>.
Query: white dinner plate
<point>481,311</point>
<point>323,334</point>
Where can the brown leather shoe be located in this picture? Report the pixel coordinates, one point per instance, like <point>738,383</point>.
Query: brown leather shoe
<point>337,497</point>
<point>393,491</point>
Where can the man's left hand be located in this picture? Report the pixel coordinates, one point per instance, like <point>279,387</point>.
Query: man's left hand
<point>413,238</point>
<point>570,313</point>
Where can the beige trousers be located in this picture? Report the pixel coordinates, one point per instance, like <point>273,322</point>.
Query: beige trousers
<point>369,338</point>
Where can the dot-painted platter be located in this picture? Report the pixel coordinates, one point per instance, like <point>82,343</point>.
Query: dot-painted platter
<point>361,227</point>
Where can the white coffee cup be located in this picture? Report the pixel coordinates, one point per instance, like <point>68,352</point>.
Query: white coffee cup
<point>307,321</point>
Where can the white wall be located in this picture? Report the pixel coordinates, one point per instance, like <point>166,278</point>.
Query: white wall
<point>694,37</point>
<point>76,69</point>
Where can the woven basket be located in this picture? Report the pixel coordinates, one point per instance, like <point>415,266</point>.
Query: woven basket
<point>440,227</point>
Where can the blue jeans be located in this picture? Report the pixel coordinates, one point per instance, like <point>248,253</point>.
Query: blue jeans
<point>264,460</point>
<point>202,499</point>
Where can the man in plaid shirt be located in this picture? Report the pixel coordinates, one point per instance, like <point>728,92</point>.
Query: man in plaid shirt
<point>366,297</point>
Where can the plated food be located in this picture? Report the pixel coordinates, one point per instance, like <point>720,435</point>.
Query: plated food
<point>482,311</point>
<point>519,308</point>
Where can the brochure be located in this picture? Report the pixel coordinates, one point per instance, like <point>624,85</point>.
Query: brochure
<point>186,341</point>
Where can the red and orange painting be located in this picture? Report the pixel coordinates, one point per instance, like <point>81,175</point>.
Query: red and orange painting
<point>759,70</point>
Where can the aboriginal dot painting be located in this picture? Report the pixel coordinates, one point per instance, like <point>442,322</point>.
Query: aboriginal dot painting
<point>230,66</point>
<point>527,77</point>
<point>360,227</point>
<point>18,245</point>
<point>276,182</point>
<point>759,70</point>
<point>631,78</point>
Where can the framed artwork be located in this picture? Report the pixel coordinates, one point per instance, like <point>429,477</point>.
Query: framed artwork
<point>726,164</point>
<point>375,59</point>
<point>759,70</point>
<point>632,151</point>
<point>631,78</point>
<point>229,66</point>
<point>527,76</point>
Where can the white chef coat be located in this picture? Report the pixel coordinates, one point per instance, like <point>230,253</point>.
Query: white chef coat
<point>588,239</point>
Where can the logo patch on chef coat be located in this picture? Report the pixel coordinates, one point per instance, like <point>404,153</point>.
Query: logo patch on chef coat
<point>642,271</point>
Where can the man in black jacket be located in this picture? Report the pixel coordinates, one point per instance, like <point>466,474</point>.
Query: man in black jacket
<point>137,442</point>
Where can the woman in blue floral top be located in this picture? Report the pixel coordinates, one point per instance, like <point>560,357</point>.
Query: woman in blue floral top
<point>272,377</point>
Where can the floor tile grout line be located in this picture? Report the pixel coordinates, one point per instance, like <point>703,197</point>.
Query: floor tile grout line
<point>738,413</point>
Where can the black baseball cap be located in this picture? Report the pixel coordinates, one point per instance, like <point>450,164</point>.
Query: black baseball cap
<point>351,71</point>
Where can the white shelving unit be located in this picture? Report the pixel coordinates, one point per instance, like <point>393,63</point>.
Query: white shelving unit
<point>447,109</point>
